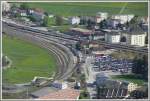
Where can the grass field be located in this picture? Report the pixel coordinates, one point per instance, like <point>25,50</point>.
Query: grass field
<point>130,78</point>
<point>71,9</point>
<point>28,60</point>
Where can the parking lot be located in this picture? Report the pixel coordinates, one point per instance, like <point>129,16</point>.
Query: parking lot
<point>107,62</point>
<point>106,65</point>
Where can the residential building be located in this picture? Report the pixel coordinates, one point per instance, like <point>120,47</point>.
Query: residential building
<point>74,20</point>
<point>18,12</point>
<point>138,40</point>
<point>132,87</point>
<point>114,22</point>
<point>135,35</point>
<point>22,13</point>
<point>113,88</point>
<point>86,18</point>
<point>30,11</point>
<point>93,19</point>
<point>101,16</point>
<point>123,17</point>
<point>112,36</point>
<point>5,6</point>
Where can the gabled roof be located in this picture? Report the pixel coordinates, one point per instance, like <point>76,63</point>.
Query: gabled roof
<point>135,29</point>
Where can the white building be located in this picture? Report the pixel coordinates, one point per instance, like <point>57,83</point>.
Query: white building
<point>138,40</point>
<point>124,18</point>
<point>30,11</point>
<point>112,36</point>
<point>101,16</point>
<point>22,13</point>
<point>59,84</point>
<point>74,20</point>
<point>5,6</point>
<point>132,87</point>
<point>94,19</point>
<point>144,20</point>
<point>135,36</point>
<point>114,22</point>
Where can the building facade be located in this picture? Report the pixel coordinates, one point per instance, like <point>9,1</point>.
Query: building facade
<point>74,20</point>
<point>138,40</point>
<point>132,87</point>
<point>112,37</point>
<point>124,18</point>
<point>135,35</point>
<point>101,16</point>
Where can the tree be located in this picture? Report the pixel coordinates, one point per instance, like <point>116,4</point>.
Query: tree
<point>58,20</point>
<point>14,6</point>
<point>103,24</point>
<point>46,21</point>
<point>46,13</point>
<point>127,24</point>
<point>83,22</point>
<point>24,6</point>
<point>32,18</point>
<point>146,39</point>
<point>140,66</point>
<point>123,39</point>
<point>17,15</point>
<point>89,23</point>
<point>135,20</point>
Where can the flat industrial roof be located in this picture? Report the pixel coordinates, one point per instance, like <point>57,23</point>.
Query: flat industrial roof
<point>63,94</point>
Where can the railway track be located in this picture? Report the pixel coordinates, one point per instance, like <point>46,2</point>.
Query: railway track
<point>124,47</point>
<point>64,60</point>
<point>70,39</point>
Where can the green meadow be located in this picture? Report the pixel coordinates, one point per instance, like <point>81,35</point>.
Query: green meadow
<point>28,60</point>
<point>86,8</point>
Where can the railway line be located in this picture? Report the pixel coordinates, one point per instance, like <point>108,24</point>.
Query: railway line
<point>142,50</point>
<point>61,39</point>
<point>62,53</point>
<point>72,39</point>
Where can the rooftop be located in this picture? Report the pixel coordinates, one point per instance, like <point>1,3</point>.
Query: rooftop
<point>81,30</point>
<point>44,91</point>
<point>112,32</point>
<point>135,29</point>
<point>62,94</point>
